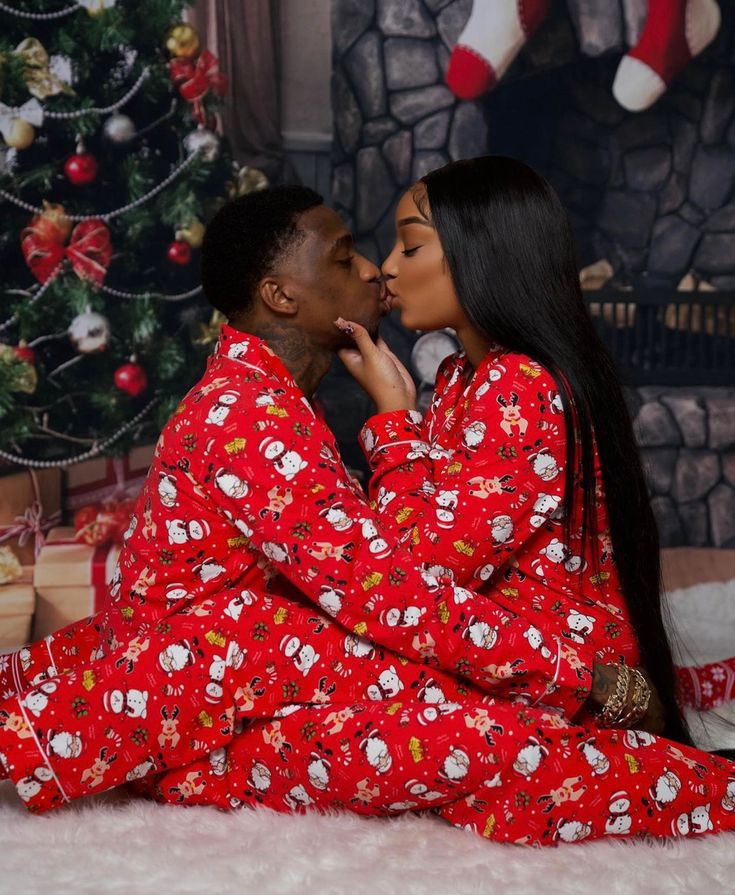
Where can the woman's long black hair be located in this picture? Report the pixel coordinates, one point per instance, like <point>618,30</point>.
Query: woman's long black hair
<point>510,251</point>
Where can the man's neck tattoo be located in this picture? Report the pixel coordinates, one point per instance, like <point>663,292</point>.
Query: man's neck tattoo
<point>305,362</point>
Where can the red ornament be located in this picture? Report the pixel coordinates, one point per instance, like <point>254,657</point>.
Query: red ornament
<point>81,168</point>
<point>25,353</point>
<point>131,378</point>
<point>179,252</point>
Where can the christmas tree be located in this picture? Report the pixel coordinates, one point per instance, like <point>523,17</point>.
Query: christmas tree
<point>109,169</point>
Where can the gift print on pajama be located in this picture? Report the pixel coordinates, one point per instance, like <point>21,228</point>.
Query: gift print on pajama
<point>227,507</point>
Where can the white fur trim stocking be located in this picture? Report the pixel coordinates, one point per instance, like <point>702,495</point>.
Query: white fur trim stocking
<point>495,32</point>
<point>674,33</point>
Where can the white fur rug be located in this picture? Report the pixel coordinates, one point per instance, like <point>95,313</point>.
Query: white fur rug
<point>114,844</point>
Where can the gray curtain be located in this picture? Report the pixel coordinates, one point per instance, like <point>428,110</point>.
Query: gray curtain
<point>244,35</point>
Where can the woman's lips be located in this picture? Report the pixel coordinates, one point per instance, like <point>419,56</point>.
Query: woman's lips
<point>386,298</point>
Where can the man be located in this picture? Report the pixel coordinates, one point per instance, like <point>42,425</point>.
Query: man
<point>247,511</point>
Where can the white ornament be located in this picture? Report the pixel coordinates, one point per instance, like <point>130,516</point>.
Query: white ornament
<point>89,332</point>
<point>203,141</point>
<point>119,128</point>
<point>60,67</point>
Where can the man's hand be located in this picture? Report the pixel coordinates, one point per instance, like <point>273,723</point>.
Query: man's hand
<point>377,369</point>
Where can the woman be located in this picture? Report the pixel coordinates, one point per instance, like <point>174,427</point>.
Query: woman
<point>484,246</point>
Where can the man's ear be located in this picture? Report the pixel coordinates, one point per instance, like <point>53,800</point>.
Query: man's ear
<point>273,295</point>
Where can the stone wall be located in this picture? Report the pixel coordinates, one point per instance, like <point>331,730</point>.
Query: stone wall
<point>687,438</point>
<point>652,193</point>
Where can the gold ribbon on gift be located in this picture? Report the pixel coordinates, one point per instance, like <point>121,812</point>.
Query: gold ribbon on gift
<point>40,80</point>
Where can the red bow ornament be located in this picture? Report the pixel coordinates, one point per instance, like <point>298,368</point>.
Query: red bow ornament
<point>89,250</point>
<point>196,79</point>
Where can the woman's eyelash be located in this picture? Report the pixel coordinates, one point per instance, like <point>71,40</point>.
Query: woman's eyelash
<point>346,262</point>
<point>409,252</point>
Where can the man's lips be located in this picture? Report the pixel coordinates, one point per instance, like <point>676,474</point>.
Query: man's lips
<point>386,296</point>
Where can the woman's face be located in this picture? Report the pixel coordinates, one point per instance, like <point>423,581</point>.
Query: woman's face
<point>415,271</point>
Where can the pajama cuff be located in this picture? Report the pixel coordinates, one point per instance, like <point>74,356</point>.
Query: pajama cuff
<point>572,682</point>
<point>25,761</point>
<point>398,429</point>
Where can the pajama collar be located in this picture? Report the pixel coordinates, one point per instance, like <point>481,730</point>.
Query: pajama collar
<point>253,352</point>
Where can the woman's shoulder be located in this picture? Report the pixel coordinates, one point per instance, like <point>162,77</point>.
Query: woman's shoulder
<point>516,373</point>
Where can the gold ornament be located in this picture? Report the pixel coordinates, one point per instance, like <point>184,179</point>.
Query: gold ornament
<point>247,180</point>
<point>183,41</point>
<point>19,134</point>
<point>40,81</point>
<point>209,333</point>
<point>16,124</point>
<point>193,233</point>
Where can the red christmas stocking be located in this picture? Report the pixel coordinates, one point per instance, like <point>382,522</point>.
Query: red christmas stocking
<point>708,686</point>
<point>675,32</point>
<point>495,32</point>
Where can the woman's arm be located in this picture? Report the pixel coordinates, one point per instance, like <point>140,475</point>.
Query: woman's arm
<point>494,496</point>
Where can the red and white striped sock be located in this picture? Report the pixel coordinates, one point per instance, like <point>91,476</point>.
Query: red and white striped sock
<point>707,686</point>
<point>675,32</point>
<point>495,32</point>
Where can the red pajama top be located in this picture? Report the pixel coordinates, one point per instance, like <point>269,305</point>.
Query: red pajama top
<point>477,487</point>
<point>247,490</point>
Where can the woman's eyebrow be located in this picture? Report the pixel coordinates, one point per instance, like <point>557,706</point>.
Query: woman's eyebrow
<point>415,220</point>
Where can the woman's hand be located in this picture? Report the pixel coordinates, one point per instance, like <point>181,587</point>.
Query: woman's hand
<point>377,369</point>
<point>605,678</point>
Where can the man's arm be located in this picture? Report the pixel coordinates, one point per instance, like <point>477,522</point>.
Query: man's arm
<point>348,565</point>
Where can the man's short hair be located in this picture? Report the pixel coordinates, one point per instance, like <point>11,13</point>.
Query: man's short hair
<point>245,240</point>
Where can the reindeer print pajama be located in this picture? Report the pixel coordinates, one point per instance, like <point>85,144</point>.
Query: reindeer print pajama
<point>207,655</point>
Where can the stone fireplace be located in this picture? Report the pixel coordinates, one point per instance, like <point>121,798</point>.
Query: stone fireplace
<point>650,195</point>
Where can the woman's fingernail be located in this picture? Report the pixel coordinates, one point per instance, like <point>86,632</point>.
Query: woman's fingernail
<point>342,324</point>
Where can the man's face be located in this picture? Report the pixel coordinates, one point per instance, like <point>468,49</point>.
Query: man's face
<point>329,279</point>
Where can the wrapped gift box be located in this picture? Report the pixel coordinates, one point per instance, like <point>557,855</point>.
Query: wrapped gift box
<point>30,501</point>
<point>17,602</point>
<point>104,478</point>
<point>71,580</point>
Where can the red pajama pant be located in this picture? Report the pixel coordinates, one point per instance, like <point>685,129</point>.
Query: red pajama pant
<point>278,708</point>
